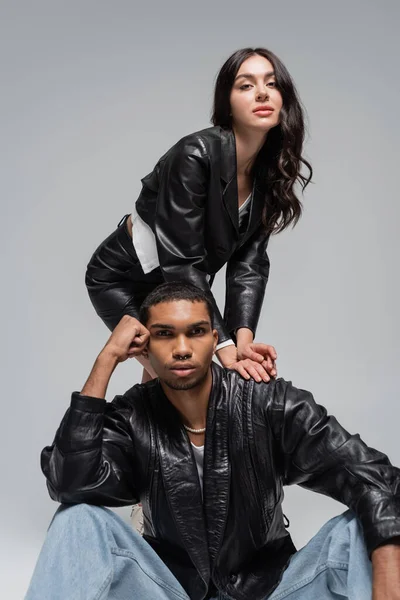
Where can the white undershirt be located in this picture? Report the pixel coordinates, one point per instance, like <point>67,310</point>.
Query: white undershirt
<point>198,452</point>
<point>145,245</point>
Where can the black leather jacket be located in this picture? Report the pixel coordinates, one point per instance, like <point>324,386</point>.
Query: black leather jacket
<point>259,437</point>
<point>190,201</point>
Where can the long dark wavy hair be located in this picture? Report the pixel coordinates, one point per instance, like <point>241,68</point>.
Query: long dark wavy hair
<point>279,162</point>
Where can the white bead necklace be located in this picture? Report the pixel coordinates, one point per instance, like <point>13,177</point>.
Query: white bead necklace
<point>194,430</point>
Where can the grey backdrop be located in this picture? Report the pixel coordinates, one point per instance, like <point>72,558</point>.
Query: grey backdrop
<point>93,92</point>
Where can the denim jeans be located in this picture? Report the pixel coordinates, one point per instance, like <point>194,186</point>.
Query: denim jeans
<point>90,553</point>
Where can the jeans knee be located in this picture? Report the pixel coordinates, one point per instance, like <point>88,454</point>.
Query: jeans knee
<point>67,514</point>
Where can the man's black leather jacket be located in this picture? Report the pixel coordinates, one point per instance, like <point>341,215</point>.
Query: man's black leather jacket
<point>190,201</point>
<point>259,438</point>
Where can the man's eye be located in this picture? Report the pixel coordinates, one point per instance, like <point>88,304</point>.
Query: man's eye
<point>163,333</point>
<point>198,331</point>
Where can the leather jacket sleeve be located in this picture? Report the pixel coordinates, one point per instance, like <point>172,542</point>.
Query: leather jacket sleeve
<point>246,278</point>
<point>319,454</point>
<point>92,457</point>
<point>179,221</point>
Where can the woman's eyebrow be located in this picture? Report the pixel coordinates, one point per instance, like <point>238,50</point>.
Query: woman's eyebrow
<point>252,76</point>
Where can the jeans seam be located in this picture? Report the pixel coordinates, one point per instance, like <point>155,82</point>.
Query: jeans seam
<point>329,564</point>
<point>121,552</point>
<point>103,587</point>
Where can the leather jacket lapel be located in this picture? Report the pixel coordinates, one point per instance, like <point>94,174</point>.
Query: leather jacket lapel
<point>256,210</point>
<point>216,463</point>
<point>229,175</point>
<point>181,481</point>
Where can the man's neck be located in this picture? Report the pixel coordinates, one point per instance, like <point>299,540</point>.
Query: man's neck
<point>248,145</point>
<point>192,404</point>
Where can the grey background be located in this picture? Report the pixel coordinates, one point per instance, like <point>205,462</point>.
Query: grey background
<point>92,93</point>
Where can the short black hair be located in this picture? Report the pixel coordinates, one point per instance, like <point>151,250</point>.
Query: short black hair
<point>173,291</point>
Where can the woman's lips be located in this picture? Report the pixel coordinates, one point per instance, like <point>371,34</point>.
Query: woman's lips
<point>263,113</point>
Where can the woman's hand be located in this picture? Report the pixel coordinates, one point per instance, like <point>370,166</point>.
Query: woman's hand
<point>263,354</point>
<point>247,367</point>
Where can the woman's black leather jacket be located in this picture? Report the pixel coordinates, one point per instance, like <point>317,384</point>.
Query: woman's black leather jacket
<point>190,201</point>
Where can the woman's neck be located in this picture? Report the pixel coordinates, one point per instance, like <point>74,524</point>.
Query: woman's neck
<point>248,145</point>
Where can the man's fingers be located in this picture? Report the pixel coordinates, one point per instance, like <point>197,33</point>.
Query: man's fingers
<point>141,340</point>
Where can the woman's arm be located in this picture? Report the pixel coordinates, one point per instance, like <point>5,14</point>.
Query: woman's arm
<point>246,278</point>
<point>179,220</point>
<point>179,228</point>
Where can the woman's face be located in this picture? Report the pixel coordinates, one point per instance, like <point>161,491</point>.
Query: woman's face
<point>254,88</point>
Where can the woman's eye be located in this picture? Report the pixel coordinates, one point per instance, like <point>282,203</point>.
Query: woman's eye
<point>244,86</point>
<point>272,83</point>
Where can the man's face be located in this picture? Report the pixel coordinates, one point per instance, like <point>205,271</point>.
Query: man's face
<point>182,343</point>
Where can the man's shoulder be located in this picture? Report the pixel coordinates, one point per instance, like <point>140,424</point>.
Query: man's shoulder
<point>135,398</point>
<point>270,393</point>
<point>262,392</point>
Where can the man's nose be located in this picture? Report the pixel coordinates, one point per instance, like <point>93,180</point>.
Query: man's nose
<point>182,348</point>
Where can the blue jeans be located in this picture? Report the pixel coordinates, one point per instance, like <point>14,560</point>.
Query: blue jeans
<point>90,553</point>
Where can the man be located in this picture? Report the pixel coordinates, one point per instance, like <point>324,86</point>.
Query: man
<point>216,532</point>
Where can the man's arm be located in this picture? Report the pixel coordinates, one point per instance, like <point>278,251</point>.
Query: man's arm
<point>386,571</point>
<point>317,453</point>
<point>92,457</point>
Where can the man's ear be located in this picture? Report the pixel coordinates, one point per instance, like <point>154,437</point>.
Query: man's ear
<point>215,336</point>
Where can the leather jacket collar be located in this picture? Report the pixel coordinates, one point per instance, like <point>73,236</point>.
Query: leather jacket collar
<point>228,174</point>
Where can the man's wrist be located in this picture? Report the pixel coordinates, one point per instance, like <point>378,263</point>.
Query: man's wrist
<point>386,570</point>
<point>108,358</point>
<point>100,375</point>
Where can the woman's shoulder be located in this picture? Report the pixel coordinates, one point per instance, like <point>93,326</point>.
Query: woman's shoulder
<point>204,140</point>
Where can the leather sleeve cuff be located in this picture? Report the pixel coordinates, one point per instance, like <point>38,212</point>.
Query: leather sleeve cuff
<point>87,403</point>
<point>381,533</point>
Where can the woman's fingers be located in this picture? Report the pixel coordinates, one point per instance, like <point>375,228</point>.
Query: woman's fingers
<point>249,368</point>
<point>264,350</point>
<point>248,353</point>
<point>256,371</point>
<point>239,367</point>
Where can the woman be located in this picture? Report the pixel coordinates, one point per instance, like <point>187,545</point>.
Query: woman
<point>212,199</point>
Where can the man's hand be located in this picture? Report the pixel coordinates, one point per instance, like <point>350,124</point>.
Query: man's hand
<point>386,571</point>
<point>263,354</point>
<point>128,340</point>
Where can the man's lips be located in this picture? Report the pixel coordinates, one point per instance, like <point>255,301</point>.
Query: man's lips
<point>182,370</point>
